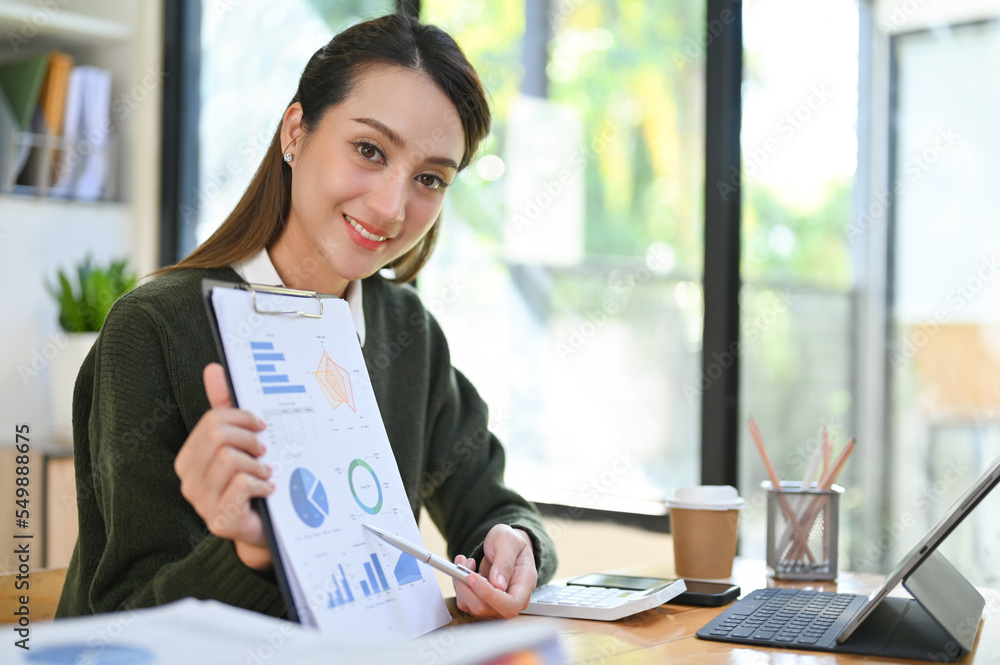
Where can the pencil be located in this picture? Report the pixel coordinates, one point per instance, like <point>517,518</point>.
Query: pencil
<point>831,475</point>
<point>811,469</point>
<point>817,504</point>
<point>827,452</point>
<point>776,484</point>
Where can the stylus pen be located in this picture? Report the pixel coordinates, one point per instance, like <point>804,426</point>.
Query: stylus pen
<point>420,554</point>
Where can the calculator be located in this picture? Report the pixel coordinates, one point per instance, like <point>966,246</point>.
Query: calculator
<point>598,603</point>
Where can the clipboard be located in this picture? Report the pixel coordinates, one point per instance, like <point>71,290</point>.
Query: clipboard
<point>260,505</point>
<point>332,573</point>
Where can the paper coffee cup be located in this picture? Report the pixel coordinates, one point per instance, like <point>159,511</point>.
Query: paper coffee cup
<point>704,522</point>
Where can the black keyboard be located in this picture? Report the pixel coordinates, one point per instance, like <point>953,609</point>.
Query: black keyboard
<point>794,618</point>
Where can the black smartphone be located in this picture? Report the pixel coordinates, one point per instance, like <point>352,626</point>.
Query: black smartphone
<point>709,594</point>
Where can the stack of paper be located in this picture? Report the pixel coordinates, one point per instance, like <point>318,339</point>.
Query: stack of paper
<point>199,631</point>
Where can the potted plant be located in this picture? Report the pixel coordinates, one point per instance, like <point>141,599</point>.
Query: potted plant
<point>82,310</point>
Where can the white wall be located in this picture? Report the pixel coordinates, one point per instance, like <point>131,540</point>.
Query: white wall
<point>37,237</point>
<point>33,246</point>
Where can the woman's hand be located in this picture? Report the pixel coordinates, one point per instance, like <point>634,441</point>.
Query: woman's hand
<point>219,472</point>
<point>508,576</point>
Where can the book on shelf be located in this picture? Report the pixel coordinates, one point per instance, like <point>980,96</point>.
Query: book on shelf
<point>20,85</point>
<point>9,148</point>
<point>21,81</point>
<point>83,171</point>
<point>52,98</point>
<point>55,129</point>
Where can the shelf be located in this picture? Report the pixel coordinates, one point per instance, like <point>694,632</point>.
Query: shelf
<point>40,235</point>
<point>30,22</point>
<point>14,210</point>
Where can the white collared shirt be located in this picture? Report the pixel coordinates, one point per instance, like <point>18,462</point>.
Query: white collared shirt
<point>259,270</point>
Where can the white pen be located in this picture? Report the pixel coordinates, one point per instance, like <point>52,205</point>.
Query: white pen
<point>420,554</point>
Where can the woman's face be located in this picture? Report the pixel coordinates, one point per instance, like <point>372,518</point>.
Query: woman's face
<point>369,181</point>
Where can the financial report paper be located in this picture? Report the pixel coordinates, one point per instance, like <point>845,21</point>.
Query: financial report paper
<point>333,465</point>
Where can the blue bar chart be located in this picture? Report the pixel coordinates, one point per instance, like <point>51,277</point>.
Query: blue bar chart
<point>376,578</point>
<point>267,360</point>
<point>343,591</point>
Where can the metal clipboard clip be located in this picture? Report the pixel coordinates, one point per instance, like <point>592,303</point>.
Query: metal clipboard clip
<point>282,291</point>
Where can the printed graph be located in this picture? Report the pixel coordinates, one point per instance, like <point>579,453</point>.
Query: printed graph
<point>335,382</point>
<point>270,370</point>
<point>365,487</point>
<point>376,578</point>
<point>341,594</point>
<point>407,570</point>
<point>308,497</point>
<point>291,426</point>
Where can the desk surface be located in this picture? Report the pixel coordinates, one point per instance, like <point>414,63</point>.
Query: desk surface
<point>666,634</point>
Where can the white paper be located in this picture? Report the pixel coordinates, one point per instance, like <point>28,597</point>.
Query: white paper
<point>190,632</point>
<point>333,467</point>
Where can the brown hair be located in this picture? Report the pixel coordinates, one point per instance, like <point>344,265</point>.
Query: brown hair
<point>328,78</point>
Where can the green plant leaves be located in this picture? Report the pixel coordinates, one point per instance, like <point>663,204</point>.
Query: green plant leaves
<point>85,309</point>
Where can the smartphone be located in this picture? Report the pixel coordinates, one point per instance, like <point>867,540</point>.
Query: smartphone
<point>709,594</point>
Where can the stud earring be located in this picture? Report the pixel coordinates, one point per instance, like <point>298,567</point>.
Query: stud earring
<point>288,156</point>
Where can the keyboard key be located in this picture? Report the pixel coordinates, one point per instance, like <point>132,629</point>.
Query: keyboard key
<point>743,632</point>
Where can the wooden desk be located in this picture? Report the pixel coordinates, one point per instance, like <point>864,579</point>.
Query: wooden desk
<point>666,634</point>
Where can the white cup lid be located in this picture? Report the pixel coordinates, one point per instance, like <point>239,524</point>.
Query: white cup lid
<point>706,497</point>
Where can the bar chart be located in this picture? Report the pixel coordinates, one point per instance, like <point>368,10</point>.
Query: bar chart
<point>341,593</point>
<point>376,582</point>
<point>270,365</point>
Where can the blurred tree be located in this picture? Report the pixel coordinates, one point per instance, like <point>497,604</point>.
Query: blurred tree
<point>632,70</point>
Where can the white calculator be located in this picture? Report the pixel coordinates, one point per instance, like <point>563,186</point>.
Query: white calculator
<point>599,603</point>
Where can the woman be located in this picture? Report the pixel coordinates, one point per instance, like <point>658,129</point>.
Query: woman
<point>385,116</point>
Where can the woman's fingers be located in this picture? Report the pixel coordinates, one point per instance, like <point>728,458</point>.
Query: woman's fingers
<point>218,428</point>
<point>216,386</point>
<point>220,470</point>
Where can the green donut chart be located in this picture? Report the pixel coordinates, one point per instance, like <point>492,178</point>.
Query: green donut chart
<point>371,510</point>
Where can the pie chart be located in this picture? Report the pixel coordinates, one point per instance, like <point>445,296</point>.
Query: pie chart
<point>308,497</point>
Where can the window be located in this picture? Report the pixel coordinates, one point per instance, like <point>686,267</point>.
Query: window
<point>570,268</point>
<point>799,144</point>
<point>252,54</point>
<point>944,360</point>
<point>568,276</point>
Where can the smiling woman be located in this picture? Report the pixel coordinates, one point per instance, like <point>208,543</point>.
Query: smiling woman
<point>400,77</point>
<point>368,182</point>
<point>386,114</point>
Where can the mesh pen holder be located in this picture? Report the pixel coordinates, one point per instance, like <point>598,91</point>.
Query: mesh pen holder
<point>802,530</point>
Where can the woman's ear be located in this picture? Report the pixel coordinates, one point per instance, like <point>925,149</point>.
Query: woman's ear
<point>291,128</point>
